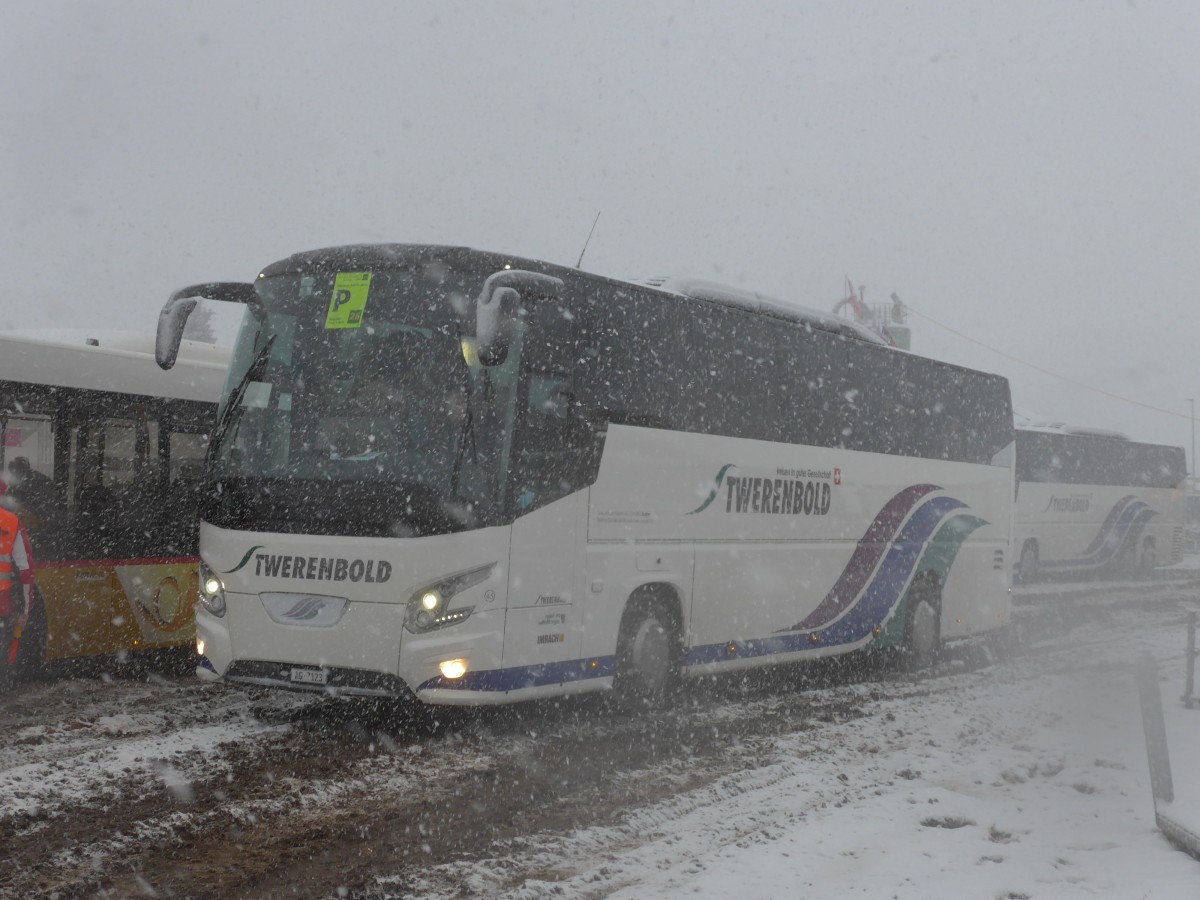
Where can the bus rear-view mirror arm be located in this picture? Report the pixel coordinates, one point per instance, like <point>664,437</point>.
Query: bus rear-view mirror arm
<point>496,309</point>
<point>175,312</point>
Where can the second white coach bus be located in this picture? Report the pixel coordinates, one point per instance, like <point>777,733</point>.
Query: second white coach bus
<point>478,479</point>
<point>1094,502</point>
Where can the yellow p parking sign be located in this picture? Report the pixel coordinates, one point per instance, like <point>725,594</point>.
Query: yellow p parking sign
<point>349,299</point>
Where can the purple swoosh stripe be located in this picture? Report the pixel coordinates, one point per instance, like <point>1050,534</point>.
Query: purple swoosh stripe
<point>866,556</point>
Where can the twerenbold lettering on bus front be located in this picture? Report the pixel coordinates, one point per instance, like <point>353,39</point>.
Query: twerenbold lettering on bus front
<point>322,568</point>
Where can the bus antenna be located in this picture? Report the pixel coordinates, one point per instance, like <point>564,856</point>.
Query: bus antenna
<point>585,243</point>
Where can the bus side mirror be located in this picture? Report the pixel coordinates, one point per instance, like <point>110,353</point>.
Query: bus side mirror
<point>175,312</point>
<point>171,322</point>
<point>496,309</point>
<point>494,315</point>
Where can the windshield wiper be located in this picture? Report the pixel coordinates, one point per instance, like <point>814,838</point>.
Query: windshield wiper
<point>235,402</point>
<point>468,429</point>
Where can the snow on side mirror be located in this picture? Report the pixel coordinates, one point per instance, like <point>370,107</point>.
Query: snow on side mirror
<point>494,315</point>
<point>175,312</point>
<point>496,309</point>
<point>171,322</point>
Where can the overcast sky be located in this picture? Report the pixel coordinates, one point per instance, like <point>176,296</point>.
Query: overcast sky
<point>1025,172</point>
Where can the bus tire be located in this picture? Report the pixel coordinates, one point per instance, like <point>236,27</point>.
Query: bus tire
<point>1027,565</point>
<point>923,627</point>
<point>648,651</point>
<point>1148,558</point>
<point>31,651</point>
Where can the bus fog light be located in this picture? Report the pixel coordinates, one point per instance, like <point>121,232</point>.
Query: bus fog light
<point>199,646</point>
<point>453,668</point>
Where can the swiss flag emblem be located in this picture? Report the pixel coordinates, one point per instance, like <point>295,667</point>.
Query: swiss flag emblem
<point>837,476</point>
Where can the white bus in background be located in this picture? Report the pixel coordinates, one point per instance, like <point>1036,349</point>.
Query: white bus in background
<point>567,483</point>
<point>1094,502</point>
<point>117,449</point>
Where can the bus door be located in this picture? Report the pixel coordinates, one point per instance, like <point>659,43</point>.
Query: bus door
<point>548,475</point>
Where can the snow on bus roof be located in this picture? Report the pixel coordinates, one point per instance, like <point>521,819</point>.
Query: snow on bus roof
<point>1067,428</point>
<point>753,301</point>
<point>118,361</point>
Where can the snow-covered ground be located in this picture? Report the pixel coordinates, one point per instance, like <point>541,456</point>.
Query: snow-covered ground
<point>1026,779</point>
<point>1022,777</point>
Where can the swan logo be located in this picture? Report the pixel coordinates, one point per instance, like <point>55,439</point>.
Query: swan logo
<point>313,610</point>
<point>308,608</point>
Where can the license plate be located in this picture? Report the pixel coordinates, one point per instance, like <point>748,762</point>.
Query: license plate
<point>310,676</point>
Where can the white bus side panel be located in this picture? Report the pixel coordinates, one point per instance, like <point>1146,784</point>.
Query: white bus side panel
<point>778,530</point>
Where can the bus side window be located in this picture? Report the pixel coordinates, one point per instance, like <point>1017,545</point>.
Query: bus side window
<point>181,534</point>
<point>116,507</point>
<point>556,445</point>
<point>29,474</point>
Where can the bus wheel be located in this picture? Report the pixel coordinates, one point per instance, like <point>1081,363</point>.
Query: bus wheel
<point>1149,558</point>
<point>923,632</point>
<point>31,651</point>
<point>1028,565</point>
<point>647,665</point>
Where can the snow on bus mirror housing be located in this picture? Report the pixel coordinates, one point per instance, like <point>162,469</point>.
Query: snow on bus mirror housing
<point>171,322</point>
<point>497,306</point>
<point>494,315</point>
<point>175,312</point>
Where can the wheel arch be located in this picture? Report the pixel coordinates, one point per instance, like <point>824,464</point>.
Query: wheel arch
<point>1019,570</point>
<point>929,577</point>
<point>662,595</point>
<point>642,679</point>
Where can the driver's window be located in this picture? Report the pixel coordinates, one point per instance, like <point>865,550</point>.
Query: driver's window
<point>547,409</point>
<point>555,456</point>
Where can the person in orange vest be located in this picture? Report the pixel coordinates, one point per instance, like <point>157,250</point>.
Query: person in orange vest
<point>16,587</point>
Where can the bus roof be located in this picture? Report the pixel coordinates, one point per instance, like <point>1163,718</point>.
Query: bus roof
<point>385,255</point>
<point>1066,428</point>
<point>121,362</point>
<point>699,289</point>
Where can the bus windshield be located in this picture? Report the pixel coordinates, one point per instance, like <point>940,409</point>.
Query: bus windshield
<point>355,398</point>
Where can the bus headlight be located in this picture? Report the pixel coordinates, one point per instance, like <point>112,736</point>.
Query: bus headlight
<point>429,607</point>
<point>212,591</point>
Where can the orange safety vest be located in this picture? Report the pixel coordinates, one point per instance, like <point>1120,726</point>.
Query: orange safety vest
<point>10,531</point>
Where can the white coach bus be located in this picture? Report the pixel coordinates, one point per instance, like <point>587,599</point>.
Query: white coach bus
<point>1094,502</point>
<point>478,479</point>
